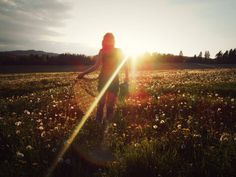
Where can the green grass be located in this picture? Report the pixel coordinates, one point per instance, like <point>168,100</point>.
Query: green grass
<point>174,123</point>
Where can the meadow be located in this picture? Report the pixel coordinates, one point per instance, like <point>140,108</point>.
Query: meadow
<point>173,123</point>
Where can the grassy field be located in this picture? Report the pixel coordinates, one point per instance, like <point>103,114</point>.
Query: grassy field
<point>174,123</point>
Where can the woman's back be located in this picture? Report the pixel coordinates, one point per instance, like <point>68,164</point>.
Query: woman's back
<point>110,60</point>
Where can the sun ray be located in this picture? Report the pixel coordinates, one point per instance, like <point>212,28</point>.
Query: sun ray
<point>83,120</point>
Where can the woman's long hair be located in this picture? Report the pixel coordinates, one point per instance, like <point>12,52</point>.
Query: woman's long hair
<point>108,42</point>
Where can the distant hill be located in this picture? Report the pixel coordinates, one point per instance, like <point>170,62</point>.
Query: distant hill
<point>26,53</point>
<point>35,57</point>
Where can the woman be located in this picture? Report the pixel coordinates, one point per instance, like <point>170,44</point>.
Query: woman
<point>109,58</point>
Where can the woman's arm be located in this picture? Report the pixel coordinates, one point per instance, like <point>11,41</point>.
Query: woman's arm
<point>92,68</point>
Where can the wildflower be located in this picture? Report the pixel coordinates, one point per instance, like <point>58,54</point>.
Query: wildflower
<point>155,126</point>
<point>43,134</point>
<point>19,154</point>
<point>29,147</point>
<point>162,122</point>
<point>41,127</point>
<point>18,123</point>
<point>196,135</point>
<point>224,137</point>
<point>26,112</point>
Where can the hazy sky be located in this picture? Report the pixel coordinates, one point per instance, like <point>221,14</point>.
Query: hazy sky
<point>77,26</point>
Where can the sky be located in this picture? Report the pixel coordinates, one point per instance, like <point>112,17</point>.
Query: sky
<point>78,26</point>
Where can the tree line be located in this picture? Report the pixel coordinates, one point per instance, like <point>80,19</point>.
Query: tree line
<point>34,59</point>
<point>227,57</point>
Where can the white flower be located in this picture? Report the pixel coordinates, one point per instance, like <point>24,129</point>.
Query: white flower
<point>18,123</point>
<point>155,126</point>
<point>162,122</point>
<point>29,147</point>
<point>224,137</point>
<point>19,154</point>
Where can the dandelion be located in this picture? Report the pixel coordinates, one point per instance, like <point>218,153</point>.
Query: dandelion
<point>19,154</point>
<point>41,127</point>
<point>154,126</point>
<point>29,147</point>
<point>162,122</point>
<point>157,119</point>
<point>26,112</point>
<point>196,135</point>
<point>17,132</point>
<point>18,123</point>
<point>43,134</point>
<point>224,137</point>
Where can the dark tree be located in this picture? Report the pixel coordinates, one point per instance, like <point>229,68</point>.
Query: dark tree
<point>219,55</point>
<point>200,55</point>
<point>226,54</point>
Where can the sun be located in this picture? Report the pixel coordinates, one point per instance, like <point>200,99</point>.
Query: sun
<point>131,49</point>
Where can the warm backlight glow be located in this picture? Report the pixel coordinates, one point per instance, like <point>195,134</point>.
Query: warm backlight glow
<point>83,120</point>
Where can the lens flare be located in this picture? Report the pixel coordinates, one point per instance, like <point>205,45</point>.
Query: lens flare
<point>83,120</point>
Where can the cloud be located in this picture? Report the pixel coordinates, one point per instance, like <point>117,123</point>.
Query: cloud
<point>27,21</point>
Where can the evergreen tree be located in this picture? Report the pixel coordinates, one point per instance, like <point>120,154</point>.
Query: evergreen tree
<point>219,55</point>
<point>226,54</point>
<point>200,55</point>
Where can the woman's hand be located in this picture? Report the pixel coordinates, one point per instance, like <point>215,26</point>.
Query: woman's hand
<point>80,76</point>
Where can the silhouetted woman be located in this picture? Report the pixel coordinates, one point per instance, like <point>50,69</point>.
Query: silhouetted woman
<point>109,58</point>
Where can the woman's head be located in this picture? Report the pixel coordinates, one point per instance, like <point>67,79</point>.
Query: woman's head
<point>108,41</point>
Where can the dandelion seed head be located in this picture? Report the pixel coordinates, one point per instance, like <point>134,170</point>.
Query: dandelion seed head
<point>29,147</point>
<point>18,123</point>
<point>19,154</point>
<point>162,122</point>
<point>154,126</point>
